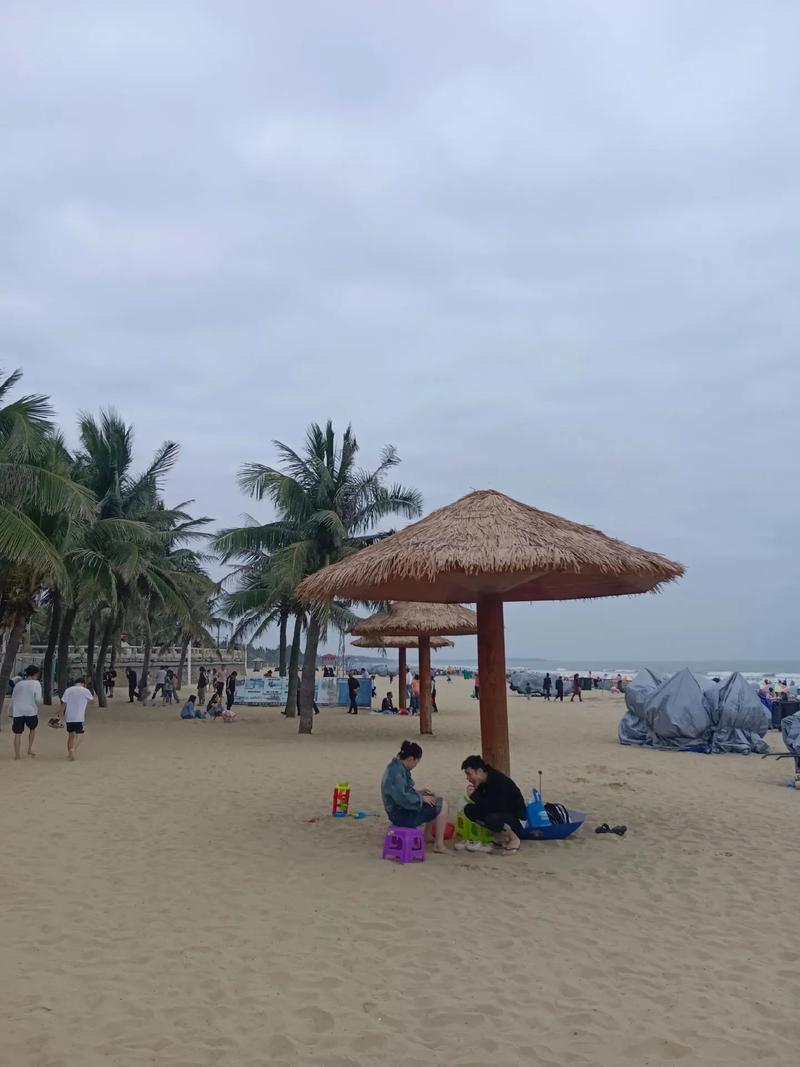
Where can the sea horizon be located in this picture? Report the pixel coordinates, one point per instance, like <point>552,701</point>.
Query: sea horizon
<point>767,668</point>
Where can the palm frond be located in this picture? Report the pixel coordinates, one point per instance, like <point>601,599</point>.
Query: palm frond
<point>23,544</point>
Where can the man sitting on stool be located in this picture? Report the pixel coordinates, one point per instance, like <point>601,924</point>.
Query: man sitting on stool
<point>495,802</point>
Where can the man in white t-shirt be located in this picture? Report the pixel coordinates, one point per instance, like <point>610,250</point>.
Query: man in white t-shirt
<point>25,700</point>
<point>161,677</point>
<point>75,699</point>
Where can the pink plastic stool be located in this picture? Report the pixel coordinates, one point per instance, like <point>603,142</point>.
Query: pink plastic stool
<point>404,844</point>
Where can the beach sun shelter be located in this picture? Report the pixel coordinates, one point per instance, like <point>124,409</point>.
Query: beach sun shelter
<point>403,644</point>
<point>487,549</point>
<point>423,621</point>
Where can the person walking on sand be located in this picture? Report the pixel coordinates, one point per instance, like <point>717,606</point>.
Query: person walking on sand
<point>407,806</point>
<point>75,699</point>
<point>161,678</point>
<point>560,689</point>
<point>230,690</point>
<point>219,682</point>
<point>202,685</point>
<point>415,695</point>
<point>352,691</point>
<point>547,685</point>
<point>25,700</point>
<point>576,689</point>
<point>133,680</point>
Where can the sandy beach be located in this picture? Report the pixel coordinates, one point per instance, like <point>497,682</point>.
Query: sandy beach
<point>169,900</point>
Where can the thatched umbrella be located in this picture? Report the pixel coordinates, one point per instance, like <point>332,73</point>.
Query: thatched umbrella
<point>487,548</point>
<point>419,620</point>
<point>403,643</point>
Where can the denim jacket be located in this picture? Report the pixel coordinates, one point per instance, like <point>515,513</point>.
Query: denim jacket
<point>397,789</point>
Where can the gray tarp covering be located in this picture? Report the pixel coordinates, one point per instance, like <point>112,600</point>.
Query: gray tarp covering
<point>742,720</point>
<point>790,728</point>
<point>632,727</point>
<point>527,682</point>
<point>691,712</point>
<point>680,713</point>
<point>639,689</point>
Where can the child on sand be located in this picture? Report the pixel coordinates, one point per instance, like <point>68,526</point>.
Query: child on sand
<point>188,711</point>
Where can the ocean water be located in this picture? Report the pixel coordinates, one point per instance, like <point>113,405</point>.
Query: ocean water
<point>751,668</point>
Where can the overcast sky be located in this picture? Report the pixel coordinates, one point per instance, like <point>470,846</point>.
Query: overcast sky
<point>549,248</point>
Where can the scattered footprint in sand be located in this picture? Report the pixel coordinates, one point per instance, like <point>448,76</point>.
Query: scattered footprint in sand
<point>281,1045</point>
<point>318,1020</point>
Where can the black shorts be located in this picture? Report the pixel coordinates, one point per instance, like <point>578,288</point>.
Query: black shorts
<point>74,727</point>
<point>19,722</point>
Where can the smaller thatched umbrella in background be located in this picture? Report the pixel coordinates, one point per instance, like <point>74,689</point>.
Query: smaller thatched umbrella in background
<point>423,621</point>
<point>403,644</point>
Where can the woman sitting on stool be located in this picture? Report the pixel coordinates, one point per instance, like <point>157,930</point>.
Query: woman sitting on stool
<point>405,804</point>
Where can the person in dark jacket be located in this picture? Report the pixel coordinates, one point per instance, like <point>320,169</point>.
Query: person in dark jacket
<point>133,681</point>
<point>495,802</point>
<point>230,690</point>
<point>560,688</point>
<point>353,685</point>
<point>547,685</point>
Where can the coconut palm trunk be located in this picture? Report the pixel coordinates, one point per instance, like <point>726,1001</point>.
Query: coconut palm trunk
<point>90,643</point>
<point>294,660</point>
<point>62,664</point>
<point>284,619</point>
<point>19,622</point>
<point>148,649</point>
<point>309,677</point>
<point>50,652</point>
<point>182,662</point>
<point>105,642</point>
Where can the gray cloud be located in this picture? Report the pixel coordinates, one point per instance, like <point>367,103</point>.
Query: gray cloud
<point>548,248</point>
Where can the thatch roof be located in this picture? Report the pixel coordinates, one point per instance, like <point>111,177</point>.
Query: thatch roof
<point>399,642</point>
<point>410,619</point>
<point>488,544</point>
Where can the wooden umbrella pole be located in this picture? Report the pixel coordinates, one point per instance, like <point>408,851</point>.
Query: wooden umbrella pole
<point>425,700</point>
<point>492,684</point>
<point>401,679</point>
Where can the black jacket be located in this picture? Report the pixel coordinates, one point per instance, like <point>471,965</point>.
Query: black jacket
<point>353,685</point>
<point>499,794</point>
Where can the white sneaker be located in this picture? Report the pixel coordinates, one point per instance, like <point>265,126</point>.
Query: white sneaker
<point>460,845</point>
<point>479,846</point>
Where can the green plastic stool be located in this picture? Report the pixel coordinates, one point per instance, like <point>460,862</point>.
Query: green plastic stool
<point>467,830</point>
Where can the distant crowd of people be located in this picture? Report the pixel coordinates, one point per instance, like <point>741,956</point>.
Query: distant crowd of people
<point>547,688</point>
<point>412,692</point>
<point>216,683</point>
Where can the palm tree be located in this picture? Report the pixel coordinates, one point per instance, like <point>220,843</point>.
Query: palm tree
<point>115,555</point>
<point>327,507</point>
<point>39,505</point>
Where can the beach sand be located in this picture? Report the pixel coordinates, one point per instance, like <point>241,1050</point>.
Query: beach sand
<point>168,900</point>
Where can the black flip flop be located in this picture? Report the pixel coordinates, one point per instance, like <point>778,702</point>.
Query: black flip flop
<point>604,829</point>
<point>620,831</point>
